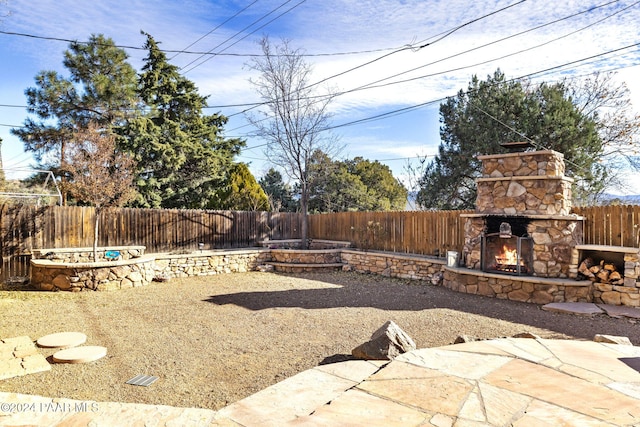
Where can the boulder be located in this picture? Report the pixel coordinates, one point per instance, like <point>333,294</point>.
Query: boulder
<point>461,339</point>
<point>526,335</point>
<point>62,282</point>
<point>386,343</point>
<point>437,278</point>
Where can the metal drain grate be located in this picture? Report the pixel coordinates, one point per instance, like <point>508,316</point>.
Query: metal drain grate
<point>142,380</point>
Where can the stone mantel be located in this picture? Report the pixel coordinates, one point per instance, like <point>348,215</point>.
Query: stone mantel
<point>525,177</point>
<point>519,154</point>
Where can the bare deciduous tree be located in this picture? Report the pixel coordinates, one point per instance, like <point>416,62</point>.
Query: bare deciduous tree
<point>608,102</point>
<point>295,118</point>
<point>102,175</point>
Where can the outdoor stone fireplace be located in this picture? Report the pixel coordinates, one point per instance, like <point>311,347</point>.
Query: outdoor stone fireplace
<point>522,224</point>
<point>521,242</point>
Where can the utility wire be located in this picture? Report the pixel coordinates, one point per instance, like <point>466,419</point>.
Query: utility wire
<point>210,51</point>
<point>504,39</point>
<point>201,53</point>
<point>446,34</point>
<point>218,26</point>
<point>442,35</point>
<point>373,84</point>
<point>400,111</point>
<point>423,104</point>
<point>244,37</point>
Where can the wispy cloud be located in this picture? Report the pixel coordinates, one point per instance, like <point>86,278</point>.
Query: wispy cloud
<point>331,26</point>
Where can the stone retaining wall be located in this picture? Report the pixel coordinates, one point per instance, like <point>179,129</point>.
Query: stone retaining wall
<point>388,264</point>
<point>210,262</point>
<point>320,256</point>
<point>47,275</point>
<point>53,275</point>
<point>517,288</point>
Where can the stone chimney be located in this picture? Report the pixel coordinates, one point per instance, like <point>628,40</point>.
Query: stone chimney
<point>528,183</point>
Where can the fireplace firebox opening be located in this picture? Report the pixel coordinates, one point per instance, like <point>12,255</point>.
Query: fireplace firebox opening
<point>507,247</point>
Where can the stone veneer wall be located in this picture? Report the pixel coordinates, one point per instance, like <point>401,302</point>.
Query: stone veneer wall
<point>530,183</point>
<point>517,288</point>
<point>55,275</point>
<point>52,275</point>
<point>415,267</point>
<point>47,275</point>
<point>208,263</point>
<point>315,256</point>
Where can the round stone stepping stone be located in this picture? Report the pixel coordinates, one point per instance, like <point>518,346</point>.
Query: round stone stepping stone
<point>62,340</point>
<point>83,354</point>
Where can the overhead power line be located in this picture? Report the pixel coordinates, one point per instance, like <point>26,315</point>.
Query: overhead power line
<point>190,52</point>
<point>410,47</point>
<point>372,85</point>
<point>504,39</point>
<point>247,35</point>
<point>217,26</point>
<point>447,34</point>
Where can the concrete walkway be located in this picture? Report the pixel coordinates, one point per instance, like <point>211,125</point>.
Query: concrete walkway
<point>508,381</point>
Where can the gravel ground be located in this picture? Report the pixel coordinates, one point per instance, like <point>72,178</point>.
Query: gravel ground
<point>214,340</point>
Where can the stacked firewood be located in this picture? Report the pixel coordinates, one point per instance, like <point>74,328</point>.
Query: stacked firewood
<point>602,272</point>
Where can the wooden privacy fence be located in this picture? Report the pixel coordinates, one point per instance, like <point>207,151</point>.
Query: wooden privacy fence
<point>161,230</point>
<point>23,228</point>
<point>420,232</point>
<point>611,225</point>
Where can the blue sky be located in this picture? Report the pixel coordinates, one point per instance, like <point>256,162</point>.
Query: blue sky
<point>372,28</point>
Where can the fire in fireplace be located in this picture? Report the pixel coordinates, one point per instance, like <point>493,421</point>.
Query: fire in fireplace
<point>507,247</point>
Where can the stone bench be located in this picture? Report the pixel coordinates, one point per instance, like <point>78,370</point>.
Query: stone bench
<point>285,267</point>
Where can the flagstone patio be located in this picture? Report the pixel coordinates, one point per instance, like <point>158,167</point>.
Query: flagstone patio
<point>505,381</point>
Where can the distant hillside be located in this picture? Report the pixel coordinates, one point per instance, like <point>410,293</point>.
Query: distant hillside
<point>632,199</point>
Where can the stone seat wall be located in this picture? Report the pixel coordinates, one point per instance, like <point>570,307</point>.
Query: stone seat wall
<point>51,275</point>
<point>76,255</point>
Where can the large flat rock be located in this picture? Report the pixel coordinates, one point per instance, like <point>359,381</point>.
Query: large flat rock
<point>19,356</point>
<point>580,308</point>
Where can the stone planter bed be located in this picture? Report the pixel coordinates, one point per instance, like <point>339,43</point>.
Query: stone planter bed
<point>48,275</point>
<point>75,255</point>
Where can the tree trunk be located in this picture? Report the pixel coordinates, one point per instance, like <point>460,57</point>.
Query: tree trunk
<point>304,227</point>
<point>95,236</point>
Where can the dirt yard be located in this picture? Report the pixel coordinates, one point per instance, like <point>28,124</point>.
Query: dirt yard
<point>214,340</point>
